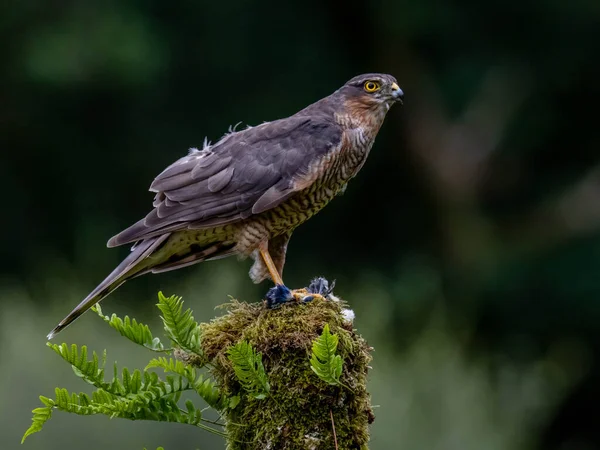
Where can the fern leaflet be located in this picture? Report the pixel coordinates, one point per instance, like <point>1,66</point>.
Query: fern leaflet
<point>132,330</point>
<point>40,417</point>
<point>249,369</point>
<point>180,325</point>
<point>135,395</point>
<point>324,362</point>
<point>204,387</point>
<point>91,372</point>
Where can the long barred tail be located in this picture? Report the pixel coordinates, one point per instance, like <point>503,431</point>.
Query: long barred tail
<point>127,269</point>
<point>137,264</point>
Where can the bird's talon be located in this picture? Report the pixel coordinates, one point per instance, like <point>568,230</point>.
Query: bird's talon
<point>319,288</point>
<point>311,297</point>
<point>278,295</point>
<point>299,294</point>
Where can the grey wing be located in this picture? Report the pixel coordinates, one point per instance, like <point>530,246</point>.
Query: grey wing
<point>245,173</point>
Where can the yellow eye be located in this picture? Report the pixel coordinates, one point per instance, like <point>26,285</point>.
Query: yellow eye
<point>372,86</point>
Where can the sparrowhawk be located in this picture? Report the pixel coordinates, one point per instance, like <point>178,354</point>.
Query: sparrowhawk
<point>245,194</point>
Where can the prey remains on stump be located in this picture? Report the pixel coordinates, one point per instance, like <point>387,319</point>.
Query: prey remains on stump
<point>297,412</point>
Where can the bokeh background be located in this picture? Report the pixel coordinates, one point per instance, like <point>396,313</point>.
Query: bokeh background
<point>481,289</point>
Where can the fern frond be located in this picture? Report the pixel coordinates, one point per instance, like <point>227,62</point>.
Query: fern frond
<point>40,417</point>
<point>324,362</point>
<point>249,369</point>
<point>204,387</point>
<point>91,371</point>
<point>211,394</point>
<point>180,325</point>
<point>133,330</point>
<point>155,400</point>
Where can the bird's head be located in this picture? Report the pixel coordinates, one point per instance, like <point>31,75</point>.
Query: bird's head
<point>373,91</point>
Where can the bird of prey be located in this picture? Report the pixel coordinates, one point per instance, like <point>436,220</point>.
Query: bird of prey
<point>245,194</point>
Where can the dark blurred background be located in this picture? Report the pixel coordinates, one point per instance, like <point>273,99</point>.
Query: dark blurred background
<point>481,291</point>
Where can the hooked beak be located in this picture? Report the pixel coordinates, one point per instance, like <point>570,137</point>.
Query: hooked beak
<point>397,93</point>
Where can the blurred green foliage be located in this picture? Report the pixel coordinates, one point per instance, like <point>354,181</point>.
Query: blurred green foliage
<point>483,270</point>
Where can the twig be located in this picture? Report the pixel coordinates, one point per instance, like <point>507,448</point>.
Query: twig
<point>333,426</point>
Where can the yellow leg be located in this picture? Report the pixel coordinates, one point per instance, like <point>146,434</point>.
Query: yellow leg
<point>264,253</point>
<point>301,294</point>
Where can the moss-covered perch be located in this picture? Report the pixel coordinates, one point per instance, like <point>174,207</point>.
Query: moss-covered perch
<point>290,378</point>
<point>297,413</point>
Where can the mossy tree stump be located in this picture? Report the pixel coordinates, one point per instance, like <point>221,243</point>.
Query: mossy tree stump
<point>301,410</point>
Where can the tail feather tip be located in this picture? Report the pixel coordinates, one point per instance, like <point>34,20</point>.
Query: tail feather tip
<point>52,334</point>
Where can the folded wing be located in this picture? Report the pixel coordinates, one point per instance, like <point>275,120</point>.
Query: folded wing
<point>245,173</point>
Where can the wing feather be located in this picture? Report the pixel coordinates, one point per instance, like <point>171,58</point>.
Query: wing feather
<point>220,180</point>
<point>247,172</point>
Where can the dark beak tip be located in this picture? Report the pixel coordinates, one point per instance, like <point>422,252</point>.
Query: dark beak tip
<point>398,94</point>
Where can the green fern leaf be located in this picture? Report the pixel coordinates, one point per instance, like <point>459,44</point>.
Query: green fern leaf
<point>138,395</point>
<point>174,366</point>
<point>324,362</point>
<point>90,371</point>
<point>211,394</point>
<point>40,417</point>
<point>156,401</point>
<point>180,325</point>
<point>132,330</point>
<point>205,388</point>
<point>249,369</point>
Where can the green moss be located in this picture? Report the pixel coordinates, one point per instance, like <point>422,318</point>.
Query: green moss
<point>297,412</point>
